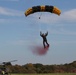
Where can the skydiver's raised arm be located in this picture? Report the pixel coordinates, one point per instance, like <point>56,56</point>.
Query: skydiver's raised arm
<point>40,33</point>
<point>46,33</point>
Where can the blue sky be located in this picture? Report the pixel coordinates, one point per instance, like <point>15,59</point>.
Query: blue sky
<point>19,33</point>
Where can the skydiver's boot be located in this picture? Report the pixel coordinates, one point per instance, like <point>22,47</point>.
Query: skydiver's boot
<point>47,44</point>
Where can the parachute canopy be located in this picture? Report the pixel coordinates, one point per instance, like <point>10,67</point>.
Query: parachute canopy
<point>46,8</point>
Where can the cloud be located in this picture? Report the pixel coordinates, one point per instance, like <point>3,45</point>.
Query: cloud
<point>69,16</point>
<point>62,31</point>
<point>2,20</point>
<point>19,42</point>
<point>65,42</point>
<point>15,42</point>
<point>10,12</point>
<point>65,17</point>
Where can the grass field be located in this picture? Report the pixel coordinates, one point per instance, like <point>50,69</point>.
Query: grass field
<point>49,74</point>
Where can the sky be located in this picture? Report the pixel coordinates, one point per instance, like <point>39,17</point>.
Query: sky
<point>20,34</point>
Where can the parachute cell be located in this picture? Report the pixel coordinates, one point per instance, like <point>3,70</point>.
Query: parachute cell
<point>46,8</point>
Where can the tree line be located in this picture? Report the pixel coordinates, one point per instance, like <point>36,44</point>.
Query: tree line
<point>40,68</point>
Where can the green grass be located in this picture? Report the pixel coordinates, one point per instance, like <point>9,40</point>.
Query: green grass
<point>49,74</point>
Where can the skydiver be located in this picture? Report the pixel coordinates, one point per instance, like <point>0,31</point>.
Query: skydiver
<point>44,38</point>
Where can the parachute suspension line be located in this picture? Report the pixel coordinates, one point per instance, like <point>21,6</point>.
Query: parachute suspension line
<point>40,28</point>
<point>43,28</point>
<point>40,16</point>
